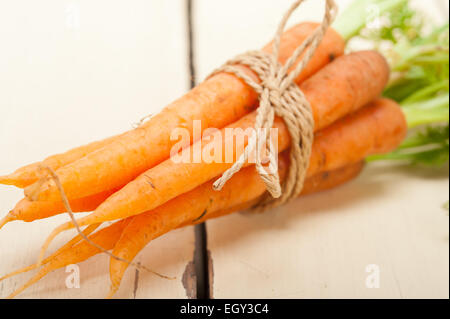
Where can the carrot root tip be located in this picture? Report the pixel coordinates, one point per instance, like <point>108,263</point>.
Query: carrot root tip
<point>14,179</point>
<point>48,241</point>
<point>8,218</point>
<point>6,180</point>
<point>18,272</point>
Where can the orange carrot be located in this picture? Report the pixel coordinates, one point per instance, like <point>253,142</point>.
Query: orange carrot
<point>29,211</point>
<point>68,254</point>
<point>377,128</point>
<point>29,174</point>
<point>204,203</point>
<point>329,179</point>
<point>318,183</point>
<point>106,238</point>
<point>217,102</point>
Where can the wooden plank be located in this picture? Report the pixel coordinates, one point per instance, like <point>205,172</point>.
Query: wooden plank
<point>225,29</point>
<point>73,72</point>
<point>321,246</point>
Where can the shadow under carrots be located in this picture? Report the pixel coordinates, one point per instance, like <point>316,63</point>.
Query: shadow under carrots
<point>375,182</point>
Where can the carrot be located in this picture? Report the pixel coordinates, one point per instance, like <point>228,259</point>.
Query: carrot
<point>346,91</point>
<point>28,211</point>
<point>329,179</point>
<point>204,203</point>
<point>106,238</point>
<point>68,255</point>
<point>217,102</point>
<point>377,128</point>
<point>29,174</point>
<point>318,183</point>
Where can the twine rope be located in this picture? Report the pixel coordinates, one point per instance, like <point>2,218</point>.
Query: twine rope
<point>279,96</point>
<point>80,232</point>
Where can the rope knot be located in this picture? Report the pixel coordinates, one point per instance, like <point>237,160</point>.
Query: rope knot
<point>272,84</point>
<point>279,95</point>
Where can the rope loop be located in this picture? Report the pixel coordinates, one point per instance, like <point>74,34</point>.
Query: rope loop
<point>279,96</point>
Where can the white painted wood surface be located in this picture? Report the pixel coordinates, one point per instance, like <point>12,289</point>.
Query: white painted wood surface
<point>72,72</point>
<point>320,246</point>
<point>105,64</point>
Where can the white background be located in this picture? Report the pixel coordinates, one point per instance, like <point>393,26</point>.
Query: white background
<point>76,71</point>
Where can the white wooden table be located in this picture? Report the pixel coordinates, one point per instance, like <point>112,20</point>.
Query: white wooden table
<point>75,71</point>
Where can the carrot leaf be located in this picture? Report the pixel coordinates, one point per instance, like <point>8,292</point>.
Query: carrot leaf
<point>419,59</point>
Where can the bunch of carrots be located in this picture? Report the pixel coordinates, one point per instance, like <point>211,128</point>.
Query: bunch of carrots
<point>130,179</point>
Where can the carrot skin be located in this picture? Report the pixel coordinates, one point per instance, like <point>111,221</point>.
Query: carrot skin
<point>29,174</point>
<point>73,253</point>
<point>381,122</point>
<point>377,128</point>
<point>327,180</point>
<point>242,192</point>
<point>344,86</point>
<point>318,183</point>
<point>217,102</point>
<point>29,211</point>
<point>344,93</point>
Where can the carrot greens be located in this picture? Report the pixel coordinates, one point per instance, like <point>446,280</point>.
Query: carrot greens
<point>418,53</point>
